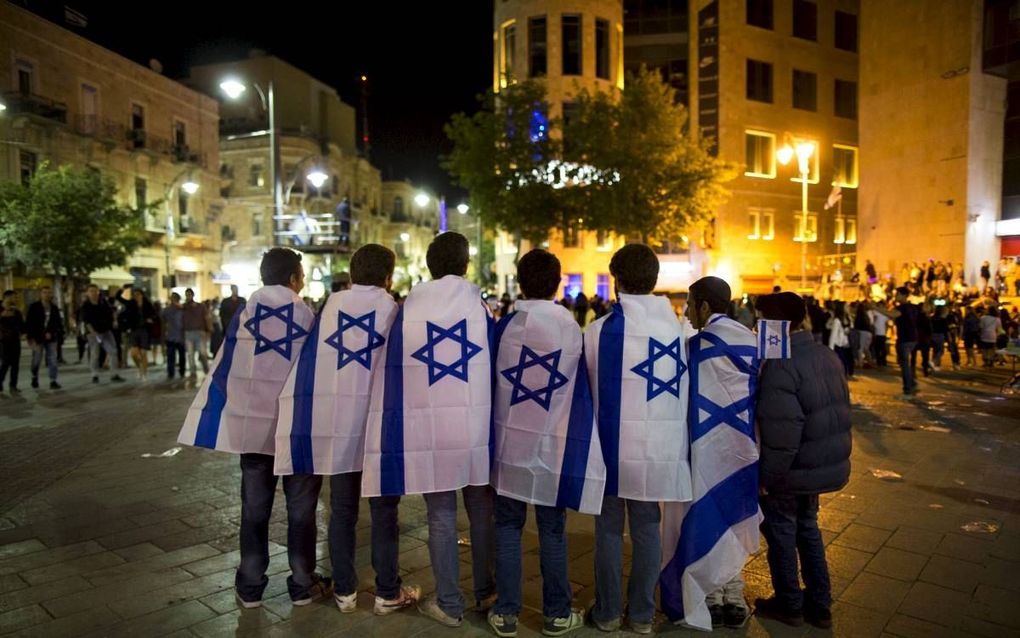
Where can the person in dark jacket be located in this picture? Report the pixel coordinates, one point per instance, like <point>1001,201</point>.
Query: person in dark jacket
<point>804,419</point>
<point>136,320</point>
<point>43,326</point>
<point>12,325</point>
<point>230,306</point>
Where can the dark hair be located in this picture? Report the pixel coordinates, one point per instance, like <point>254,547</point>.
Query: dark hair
<point>371,265</point>
<point>903,290</point>
<point>538,274</point>
<point>448,255</point>
<point>96,286</point>
<point>713,291</point>
<point>175,295</point>
<point>636,269</point>
<point>341,281</point>
<point>278,264</point>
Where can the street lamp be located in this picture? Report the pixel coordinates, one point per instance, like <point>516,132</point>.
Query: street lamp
<point>317,178</point>
<point>463,209</point>
<point>189,187</point>
<point>422,200</point>
<point>3,107</point>
<point>405,236</point>
<point>234,88</point>
<point>804,151</point>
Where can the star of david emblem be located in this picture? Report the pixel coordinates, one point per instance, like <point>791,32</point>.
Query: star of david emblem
<point>437,334</point>
<point>646,369</point>
<point>773,340</point>
<point>347,323</point>
<point>529,358</point>
<point>285,315</point>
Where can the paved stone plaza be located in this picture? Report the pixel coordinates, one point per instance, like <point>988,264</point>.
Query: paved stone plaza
<point>96,540</point>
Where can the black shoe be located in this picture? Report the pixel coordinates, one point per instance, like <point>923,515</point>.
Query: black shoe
<point>117,378</point>
<point>54,385</point>
<point>717,615</point>
<point>35,382</point>
<point>772,608</point>
<point>819,617</point>
<point>734,616</point>
<point>95,379</point>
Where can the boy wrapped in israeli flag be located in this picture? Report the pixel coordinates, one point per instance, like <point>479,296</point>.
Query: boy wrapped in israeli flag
<point>430,419</point>
<point>321,428</point>
<point>235,411</point>
<point>707,541</point>
<point>547,446</point>
<point>638,368</point>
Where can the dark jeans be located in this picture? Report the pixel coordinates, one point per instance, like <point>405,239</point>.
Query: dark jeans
<point>791,530</point>
<point>258,487</point>
<point>954,349</point>
<point>10,359</point>
<point>846,355</point>
<point>174,350</point>
<point>344,498</point>
<point>46,351</point>
<point>646,554</point>
<point>904,352</point>
<point>511,515</point>
<point>938,344</point>
<point>878,344</point>
<point>925,349</point>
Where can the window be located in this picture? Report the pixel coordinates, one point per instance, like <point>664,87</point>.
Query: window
<point>851,230</point>
<point>27,162</point>
<point>602,286</point>
<point>759,13</point>
<point>602,48</point>
<point>759,81</point>
<point>180,134</point>
<point>574,285</point>
<point>256,179</point>
<point>506,62</point>
<point>572,236</point>
<point>812,226</point>
<point>571,43</point>
<point>844,166</point>
<point>805,20</point>
<point>753,224</point>
<point>846,99</point>
<point>761,155</point>
<point>645,17</point>
<point>537,46</point>
<point>137,126</point>
<point>256,224</point>
<point>805,92</point>
<point>761,224</point>
<point>182,211</point>
<point>846,31</point>
<point>141,193</point>
<point>603,241</point>
<point>398,206</point>
<point>89,108</point>
<point>26,76</point>
<point>569,112</point>
<point>846,231</point>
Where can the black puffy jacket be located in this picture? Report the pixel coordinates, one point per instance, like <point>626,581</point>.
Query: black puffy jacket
<point>804,419</point>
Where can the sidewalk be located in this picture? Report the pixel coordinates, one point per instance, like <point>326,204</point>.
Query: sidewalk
<point>97,541</point>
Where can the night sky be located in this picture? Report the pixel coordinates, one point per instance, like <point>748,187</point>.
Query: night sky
<point>425,60</point>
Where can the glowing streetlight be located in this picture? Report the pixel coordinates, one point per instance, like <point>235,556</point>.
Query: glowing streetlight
<point>472,250</point>
<point>422,200</point>
<point>190,187</point>
<point>803,151</point>
<point>233,88</point>
<point>785,154</point>
<point>317,178</point>
<point>3,107</point>
<point>463,209</point>
<point>405,236</point>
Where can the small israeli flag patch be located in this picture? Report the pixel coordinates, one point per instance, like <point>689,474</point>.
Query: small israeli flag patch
<point>773,339</point>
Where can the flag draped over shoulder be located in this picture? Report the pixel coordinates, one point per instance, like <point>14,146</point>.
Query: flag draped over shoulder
<point>324,404</point>
<point>547,450</point>
<point>773,339</point>
<point>706,542</point>
<point>637,365</point>
<point>430,417</point>
<point>235,409</point>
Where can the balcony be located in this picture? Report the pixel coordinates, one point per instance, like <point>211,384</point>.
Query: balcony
<point>99,128</point>
<point>141,140</point>
<point>29,104</point>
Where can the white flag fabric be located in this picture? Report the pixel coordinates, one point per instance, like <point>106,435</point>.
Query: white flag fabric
<point>324,404</point>
<point>547,450</point>
<point>235,409</point>
<point>430,420</point>
<point>773,339</point>
<point>706,542</point>
<point>637,365</point>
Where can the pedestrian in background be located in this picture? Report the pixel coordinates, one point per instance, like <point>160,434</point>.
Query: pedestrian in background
<point>173,331</point>
<point>97,316</point>
<point>12,325</point>
<point>43,325</point>
<point>196,333</point>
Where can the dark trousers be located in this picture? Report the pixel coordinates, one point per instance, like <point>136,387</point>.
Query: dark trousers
<point>258,488</point>
<point>10,360</point>
<point>904,354</point>
<point>791,531</point>
<point>925,349</point>
<point>174,350</point>
<point>878,344</point>
<point>846,355</point>
<point>344,498</point>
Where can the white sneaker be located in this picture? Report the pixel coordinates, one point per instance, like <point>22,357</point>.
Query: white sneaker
<point>408,597</point>
<point>348,604</point>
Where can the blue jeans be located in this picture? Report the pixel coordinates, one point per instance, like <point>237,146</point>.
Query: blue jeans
<point>646,553</point>
<point>198,345</point>
<point>904,350</point>
<point>791,530</point>
<point>258,487</point>
<point>174,351</point>
<point>344,499</point>
<point>443,552</point>
<point>511,515</point>
<point>938,345</point>
<point>50,352</point>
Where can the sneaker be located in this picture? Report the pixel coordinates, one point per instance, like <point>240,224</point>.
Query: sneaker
<point>117,378</point>
<point>409,595</point>
<point>54,385</point>
<point>486,603</point>
<point>819,617</point>
<point>772,608</point>
<point>640,627</point>
<point>347,604</point>
<point>35,382</point>
<point>430,609</point>
<point>504,625</point>
<point>321,587</point>
<point>734,616</point>
<point>717,616</point>
<point>607,626</point>
<point>560,626</point>
<point>247,604</point>
<point>95,379</point>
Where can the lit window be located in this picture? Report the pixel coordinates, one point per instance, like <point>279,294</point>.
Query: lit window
<point>602,286</point>
<point>506,60</point>
<point>574,285</point>
<point>761,224</point>
<point>812,226</point>
<point>851,231</point>
<point>602,48</point>
<point>754,224</point>
<point>760,154</point>
<point>844,166</point>
<point>603,241</point>
<point>839,231</point>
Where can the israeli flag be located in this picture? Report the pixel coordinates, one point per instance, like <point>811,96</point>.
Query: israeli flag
<point>773,339</point>
<point>706,542</point>
<point>324,404</point>
<point>430,418</point>
<point>547,449</point>
<point>235,409</point>
<point>637,366</point>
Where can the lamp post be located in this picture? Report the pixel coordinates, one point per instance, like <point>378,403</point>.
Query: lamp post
<point>803,151</point>
<point>189,187</point>
<point>233,89</point>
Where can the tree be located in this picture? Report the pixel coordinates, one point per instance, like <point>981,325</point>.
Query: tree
<point>67,221</point>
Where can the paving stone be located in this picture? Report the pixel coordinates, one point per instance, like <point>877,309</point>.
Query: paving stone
<point>844,562</point>
<point>852,621</point>
<point>834,520</point>
<point>228,560</point>
<point>35,560</point>
<point>981,627</point>
<point>137,535</point>
<point>935,604</point>
<point>39,593</point>
<point>193,536</point>
<point>995,605</point>
<point>11,582</point>
<point>73,626</point>
<point>74,567</point>
<point>896,563</point>
<point>966,548</point>
<point>912,539</point>
<point>193,589</point>
<point>1001,573</point>
<point>21,547</point>
<point>22,617</point>
<point>952,573</point>
<point>909,627</point>
<point>863,537</point>
<point>875,592</point>
<point>138,585</point>
<point>235,623</point>
<point>156,563</point>
<point>163,621</point>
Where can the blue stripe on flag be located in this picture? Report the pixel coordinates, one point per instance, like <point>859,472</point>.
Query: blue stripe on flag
<point>784,327</point>
<point>610,361</point>
<point>573,471</point>
<point>763,329</point>
<point>496,330</point>
<point>391,471</point>
<point>209,422</point>
<point>729,502</point>
<point>304,396</point>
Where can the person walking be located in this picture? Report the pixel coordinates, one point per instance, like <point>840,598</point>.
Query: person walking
<point>971,335</point>
<point>173,330</point>
<point>196,332</point>
<point>839,337</point>
<point>43,325</point>
<point>904,315</point>
<point>136,320</point>
<point>12,325</point>
<point>97,316</point>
